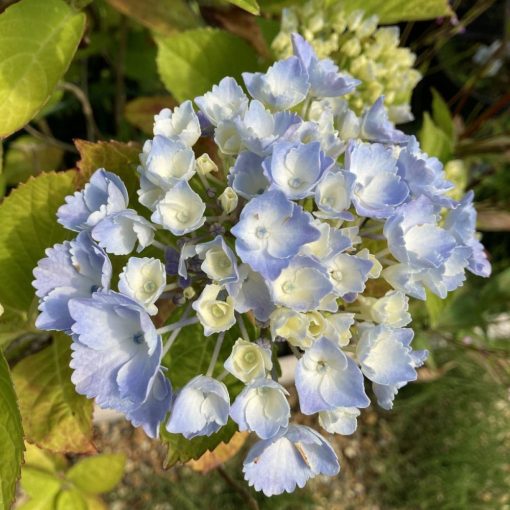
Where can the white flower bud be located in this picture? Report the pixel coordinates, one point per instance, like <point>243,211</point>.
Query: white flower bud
<point>228,200</point>
<point>189,293</point>
<point>248,361</point>
<point>215,315</point>
<point>291,325</point>
<point>227,137</point>
<point>205,165</point>
<point>144,280</point>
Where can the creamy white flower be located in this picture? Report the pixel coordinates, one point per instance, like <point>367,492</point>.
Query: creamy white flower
<point>219,262</point>
<point>340,421</point>
<point>228,138</point>
<point>248,361</point>
<point>291,325</point>
<point>228,200</point>
<point>391,309</point>
<point>181,210</point>
<point>333,195</point>
<point>143,279</point>
<point>181,123</point>
<point>214,314</point>
<point>168,162</point>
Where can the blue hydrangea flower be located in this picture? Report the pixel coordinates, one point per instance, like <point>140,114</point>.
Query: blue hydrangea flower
<point>181,123</point>
<point>200,409</point>
<point>247,177</point>
<point>262,408</point>
<point>251,293</point>
<point>342,420</point>
<point>270,231</point>
<point>120,232</point>
<point>348,274</point>
<point>376,127</point>
<point>116,350</point>
<point>461,223</point>
<point>414,238</point>
<point>168,162</point>
<point>386,356</point>
<point>301,285</point>
<point>424,175</point>
<point>386,394</point>
<point>326,379</point>
<point>73,269</point>
<point>259,129</point>
<point>296,169</point>
<point>104,194</point>
<point>378,189</point>
<point>289,459</point>
<point>224,102</point>
<point>284,85</point>
<point>323,75</point>
<point>153,410</point>
<point>330,243</point>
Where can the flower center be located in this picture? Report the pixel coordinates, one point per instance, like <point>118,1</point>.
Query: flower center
<point>329,200</point>
<point>295,182</point>
<point>261,232</point>
<point>250,357</point>
<point>217,311</point>
<point>94,288</point>
<point>321,366</point>
<point>288,287</point>
<point>182,216</point>
<point>149,287</point>
<point>337,275</point>
<point>139,338</point>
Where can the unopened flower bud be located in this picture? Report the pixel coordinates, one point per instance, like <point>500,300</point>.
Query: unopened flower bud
<point>228,200</point>
<point>205,165</point>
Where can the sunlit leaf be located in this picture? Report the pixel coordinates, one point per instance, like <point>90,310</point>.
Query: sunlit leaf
<point>54,415</point>
<point>37,42</point>
<point>11,437</point>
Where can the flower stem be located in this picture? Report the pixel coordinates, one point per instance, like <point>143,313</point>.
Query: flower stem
<point>177,325</point>
<point>215,354</point>
<point>242,327</point>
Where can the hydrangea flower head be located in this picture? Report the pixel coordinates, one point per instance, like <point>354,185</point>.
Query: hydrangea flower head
<point>310,220</point>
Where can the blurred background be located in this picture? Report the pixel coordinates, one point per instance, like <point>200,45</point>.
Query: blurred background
<point>446,444</point>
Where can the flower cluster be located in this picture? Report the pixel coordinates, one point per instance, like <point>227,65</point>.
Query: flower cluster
<point>284,226</point>
<point>357,45</point>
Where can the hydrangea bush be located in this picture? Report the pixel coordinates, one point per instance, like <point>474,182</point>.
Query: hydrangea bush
<point>303,224</point>
<point>355,43</point>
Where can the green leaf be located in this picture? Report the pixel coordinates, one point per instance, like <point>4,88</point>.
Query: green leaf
<point>163,16</point>
<point>434,141</point>
<point>70,499</point>
<point>41,486</point>
<point>395,11</point>
<point>98,474</point>
<point>11,437</point>
<point>441,114</point>
<point>190,63</point>
<point>29,156</point>
<point>182,450</point>
<point>54,416</point>
<point>37,43</point>
<point>29,226</point>
<point>248,5</point>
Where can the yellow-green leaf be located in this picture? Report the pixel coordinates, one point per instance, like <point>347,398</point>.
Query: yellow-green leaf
<point>54,416</point>
<point>98,474</point>
<point>248,5</point>
<point>37,42</point>
<point>395,11</point>
<point>11,437</point>
<point>41,486</point>
<point>191,62</point>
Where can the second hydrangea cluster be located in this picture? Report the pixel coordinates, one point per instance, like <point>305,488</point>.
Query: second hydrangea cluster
<point>303,224</point>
